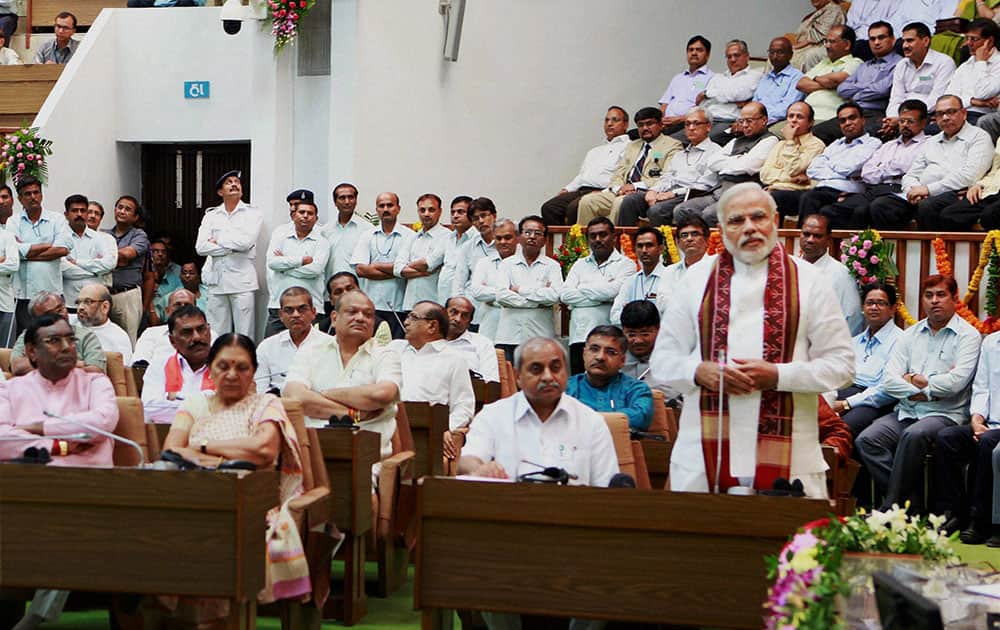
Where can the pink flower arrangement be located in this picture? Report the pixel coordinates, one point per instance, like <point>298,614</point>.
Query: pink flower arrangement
<point>23,153</point>
<point>285,17</point>
<point>868,258</point>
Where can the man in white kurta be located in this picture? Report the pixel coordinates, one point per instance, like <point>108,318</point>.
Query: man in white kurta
<point>228,237</point>
<point>822,358</point>
<point>815,242</point>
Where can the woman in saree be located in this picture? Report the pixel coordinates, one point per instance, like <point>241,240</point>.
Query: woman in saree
<point>235,423</point>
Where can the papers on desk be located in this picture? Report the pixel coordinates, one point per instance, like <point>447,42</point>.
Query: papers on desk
<point>478,478</point>
<point>989,590</point>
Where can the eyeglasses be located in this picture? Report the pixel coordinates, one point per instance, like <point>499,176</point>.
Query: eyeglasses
<point>949,112</point>
<point>595,349</point>
<point>88,302</point>
<point>694,123</point>
<point>878,303</point>
<point>410,316</point>
<point>747,121</point>
<point>831,42</point>
<point>689,235</point>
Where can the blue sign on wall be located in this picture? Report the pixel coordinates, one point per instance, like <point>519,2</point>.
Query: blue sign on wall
<point>196,89</point>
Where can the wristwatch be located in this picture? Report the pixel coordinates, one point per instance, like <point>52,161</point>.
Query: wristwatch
<point>204,447</point>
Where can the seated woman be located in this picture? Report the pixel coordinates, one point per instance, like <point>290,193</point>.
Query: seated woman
<point>235,423</point>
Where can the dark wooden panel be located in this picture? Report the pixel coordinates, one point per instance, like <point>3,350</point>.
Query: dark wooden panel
<point>44,12</point>
<point>427,425</point>
<point>349,457</point>
<point>598,553</point>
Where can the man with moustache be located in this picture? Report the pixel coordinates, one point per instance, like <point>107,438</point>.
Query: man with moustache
<point>461,233</point>
<point>692,243</point>
<point>649,244</point>
<point>295,258</point>
<point>276,353</point>
<point>759,319</point>
<point>477,350</point>
<point>374,258</point>
<point>421,258</point>
<point>685,87</point>
<point>173,377</point>
<point>784,171</point>
<point>483,214</point>
<point>344,231</point>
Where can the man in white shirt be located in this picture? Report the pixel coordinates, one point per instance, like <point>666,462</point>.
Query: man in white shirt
<point>344,231</point>
<point>173,377</point>
<point>977,81</point>
<point>726,90</point>
<point>528,285</point>
<point>923,74</point>
<point>93,306</point>
<point>461,233</point>
<point>486,279</point>
<point>92,255</point>
<point>591,286</point>
<point>815,242</point>
<point>420,258</point>
<point>374,258</point>
<point>228,237</point>
<point>649,245</point>
<point>776,359</point>
<point>692,243</point>
<point>739,161</point>
<point>595,172</point>
<point>541,425</point>
<point>276,353</point>
<point>946,164</point>
<point>349,374</point>
<point>477,350</point>
<point>295,259</point>
<point>687,175</point>
<point>433,372</point>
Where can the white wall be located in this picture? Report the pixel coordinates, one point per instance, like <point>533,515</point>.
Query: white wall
<point>513,117</point>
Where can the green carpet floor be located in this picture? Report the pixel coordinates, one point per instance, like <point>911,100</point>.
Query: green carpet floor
<point>396,612</point>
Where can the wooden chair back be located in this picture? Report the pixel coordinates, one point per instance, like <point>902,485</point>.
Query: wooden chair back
<point>402,439</point>
<point>618,425</point>
<point>153,442</point>
<point>137,374</point>
<point>508,384</point>
<point>427,424</point>
<point>115,369</point>
<point>132,426</point>
<point>485,392</point>
<point>840,478</point>
<point>5,359</point>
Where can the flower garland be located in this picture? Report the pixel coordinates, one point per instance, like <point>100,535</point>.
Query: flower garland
<point>23,154</point>
<point>714,243</point>
<point>285,16</point>
<point>807,572</point>
<point>628,251</point>
<point>670,254</point>
<point>573,247</point>
<point>944,267</point>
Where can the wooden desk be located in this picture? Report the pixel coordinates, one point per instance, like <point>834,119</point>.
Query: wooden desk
<point>349,457</point>
<point>124,530</point>
<point>596,553</point>
<point>657,461</point>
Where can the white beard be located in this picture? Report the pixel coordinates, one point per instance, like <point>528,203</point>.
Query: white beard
<point>751,257</point>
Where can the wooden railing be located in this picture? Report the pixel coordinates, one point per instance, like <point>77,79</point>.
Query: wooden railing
<point>23,89</point>
<point>914,258</point>
<point>42,13</point>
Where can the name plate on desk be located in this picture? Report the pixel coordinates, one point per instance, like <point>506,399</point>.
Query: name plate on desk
<point>135,530</point>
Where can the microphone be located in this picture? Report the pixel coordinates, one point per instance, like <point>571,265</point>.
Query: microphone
<point>102,432</point>
<point>394,314</point>
<point>722,402</point>
<point>547,474</point>
<point>635,434</point>
<point>69,437</point>
<point>621,480</point>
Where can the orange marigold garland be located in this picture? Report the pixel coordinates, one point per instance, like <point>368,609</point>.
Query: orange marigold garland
<point>945,268</point>
<point>670,254</point>
<point>714,242</point>
<point>625,245</point>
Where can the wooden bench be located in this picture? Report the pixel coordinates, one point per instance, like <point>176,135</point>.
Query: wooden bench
<point>42,13</point>
<point>23,89</point>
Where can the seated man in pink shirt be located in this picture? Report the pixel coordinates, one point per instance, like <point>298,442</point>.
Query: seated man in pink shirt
<point>58,387</point>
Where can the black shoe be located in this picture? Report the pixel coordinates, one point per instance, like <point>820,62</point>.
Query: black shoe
<point>953,524</point>
<point>973,535</point>
<point>994,541</point>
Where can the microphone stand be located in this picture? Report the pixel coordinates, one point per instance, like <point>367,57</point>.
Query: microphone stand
<point>102,432</point>
<point>722,402</point>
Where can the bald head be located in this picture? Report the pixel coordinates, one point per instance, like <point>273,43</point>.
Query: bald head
<point>93,305</point>
<point>179,298</point>
<point>460,311</point>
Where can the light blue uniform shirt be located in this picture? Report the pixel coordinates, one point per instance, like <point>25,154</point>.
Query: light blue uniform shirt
<point>947,358</point>
<point>987,378</point>
<point>376,246</point>
<point>871,354</point>
<point>776,91</point>
<point>39,275</point>
<point>839,165</point>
